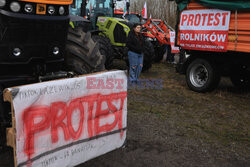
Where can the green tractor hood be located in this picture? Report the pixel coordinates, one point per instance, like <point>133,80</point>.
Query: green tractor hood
<point>115,29</point>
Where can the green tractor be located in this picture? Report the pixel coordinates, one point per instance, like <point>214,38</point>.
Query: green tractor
<point>110,32</point>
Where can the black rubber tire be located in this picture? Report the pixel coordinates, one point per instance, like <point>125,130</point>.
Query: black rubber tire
<point>159,52</point>
<point>105,49</point>
<point>212,75</point>
<point>149,55</point>
<point>240,77</point>
<point>82,53</point>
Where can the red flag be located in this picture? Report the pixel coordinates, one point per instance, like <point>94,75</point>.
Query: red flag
<point>144,11</point>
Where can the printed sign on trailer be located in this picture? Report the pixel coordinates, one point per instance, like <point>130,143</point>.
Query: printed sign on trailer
<point>204,29</point>
<point>174,49</point>
<point>65,123</point>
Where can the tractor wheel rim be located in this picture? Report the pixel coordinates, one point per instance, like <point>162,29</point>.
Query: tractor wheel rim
<point>198,75</point>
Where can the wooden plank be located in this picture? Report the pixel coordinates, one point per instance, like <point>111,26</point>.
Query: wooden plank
<point>11,132</point>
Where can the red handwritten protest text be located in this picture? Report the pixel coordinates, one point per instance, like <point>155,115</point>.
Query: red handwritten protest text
<point>59,115</point>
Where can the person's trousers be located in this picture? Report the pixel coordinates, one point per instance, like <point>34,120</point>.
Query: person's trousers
<point>135,65</point>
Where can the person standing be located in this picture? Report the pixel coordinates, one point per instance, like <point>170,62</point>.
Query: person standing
<point>135,52</point>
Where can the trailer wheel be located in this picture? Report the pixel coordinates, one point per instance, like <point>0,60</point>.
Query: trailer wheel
<point>105,49</point>
<point>240,77</point>
<point>82,53</point>
<point>149,55</point>
<point>202,76</point>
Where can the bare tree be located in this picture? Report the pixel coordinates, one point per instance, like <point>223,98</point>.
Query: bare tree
<point>159,9</point>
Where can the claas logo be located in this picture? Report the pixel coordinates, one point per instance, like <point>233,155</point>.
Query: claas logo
<point>41,9</point>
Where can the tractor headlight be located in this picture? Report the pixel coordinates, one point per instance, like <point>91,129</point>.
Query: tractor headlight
<point>51,10</point>
<point>2,3</point>
<point>17,52</point>
<point>56,50</point>
<point>15,6</point>
<point>28,8</point>
<point>61,10</point>
<point>125,29</point>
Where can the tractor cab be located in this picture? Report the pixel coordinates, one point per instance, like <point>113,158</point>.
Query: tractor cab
<point>97,8</point>
<point>92,9</point>
<point>101,7</point>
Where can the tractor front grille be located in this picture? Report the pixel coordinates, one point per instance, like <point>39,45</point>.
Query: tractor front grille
<point>119,34</point>
<point>36,40</point>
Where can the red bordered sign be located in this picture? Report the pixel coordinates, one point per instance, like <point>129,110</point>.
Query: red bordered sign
<point>204,29</point>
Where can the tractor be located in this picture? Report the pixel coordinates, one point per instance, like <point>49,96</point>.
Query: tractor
<point>109,31</point>
<point>37,44</point>
<point>155,30</point>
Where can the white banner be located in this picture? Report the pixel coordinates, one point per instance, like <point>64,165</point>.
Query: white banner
<point>209,19</point>
<point>67,122</point>
<point>205,30</point>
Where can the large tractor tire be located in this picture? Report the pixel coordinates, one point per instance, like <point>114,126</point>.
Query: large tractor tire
<point>82,53</point>
<point>149,55</point>
<point>202,76</point>
<point>105,49</point>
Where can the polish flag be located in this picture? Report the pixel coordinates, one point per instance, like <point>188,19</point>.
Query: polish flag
<point>125,9</point>
<point>144,11</point>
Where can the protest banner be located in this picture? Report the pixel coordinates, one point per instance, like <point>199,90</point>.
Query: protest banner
<point>67,122</point>
<point>204,29</point>
<point>174,49</point>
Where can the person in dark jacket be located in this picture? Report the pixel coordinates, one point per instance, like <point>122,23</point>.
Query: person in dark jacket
<point>135,52</point>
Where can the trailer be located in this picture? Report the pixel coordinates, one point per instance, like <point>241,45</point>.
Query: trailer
<point>214,37</point>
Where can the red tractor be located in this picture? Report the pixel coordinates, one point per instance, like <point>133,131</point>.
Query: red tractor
<point>159,31</point>
<point>156,30</point>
